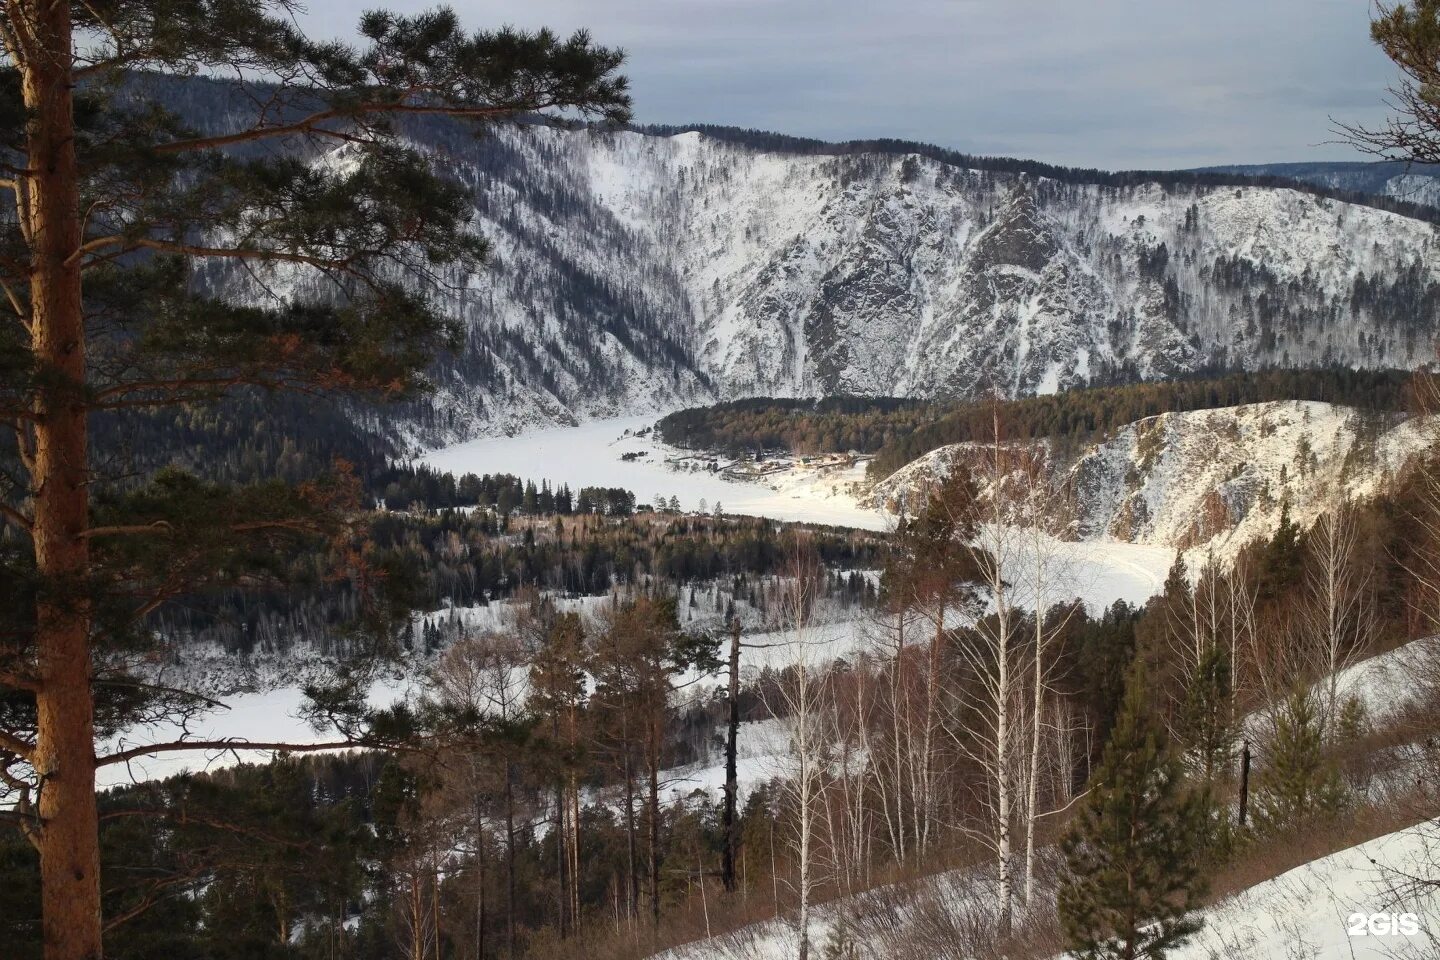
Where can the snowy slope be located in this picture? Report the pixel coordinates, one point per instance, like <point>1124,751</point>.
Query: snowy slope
<point>1209,480</point>
<point>1390,683</point>
<point>1219,478</point>
<point>1304,914</point>
<point>633,272</point>
<point>1308,913</point>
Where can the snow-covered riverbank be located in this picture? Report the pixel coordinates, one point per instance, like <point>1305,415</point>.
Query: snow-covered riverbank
<point>595,454</point>
<point>615,453</point>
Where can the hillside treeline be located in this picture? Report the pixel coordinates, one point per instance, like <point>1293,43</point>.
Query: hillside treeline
<point>1082,416</point>
<point>899,430</point>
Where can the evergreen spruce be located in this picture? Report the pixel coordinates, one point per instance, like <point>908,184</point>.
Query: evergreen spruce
<point>1300,783</point>
<point>1132,858</point>
<point>1283,560</point>
<point>1207,735</point>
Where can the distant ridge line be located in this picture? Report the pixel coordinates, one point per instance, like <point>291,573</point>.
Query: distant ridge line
<point>1201,177</point>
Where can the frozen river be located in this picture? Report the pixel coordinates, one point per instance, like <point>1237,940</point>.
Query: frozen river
<point>592,454</point>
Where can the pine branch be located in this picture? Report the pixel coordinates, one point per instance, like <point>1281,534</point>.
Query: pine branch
<point>16,517</point>
<point>311,124</point>
<point>230,745</point>
<point>13,744</point>
<point>218,253</point>
<point>159,526</point>
<point>17,682</point>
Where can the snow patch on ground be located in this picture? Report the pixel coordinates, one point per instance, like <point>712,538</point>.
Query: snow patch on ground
<point>1304,914</point>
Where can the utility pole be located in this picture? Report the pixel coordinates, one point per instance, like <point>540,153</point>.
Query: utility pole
<point>732,786</point>
<point>1244,780</point>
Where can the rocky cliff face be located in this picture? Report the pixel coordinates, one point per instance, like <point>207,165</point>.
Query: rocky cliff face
<point>1205,481</point>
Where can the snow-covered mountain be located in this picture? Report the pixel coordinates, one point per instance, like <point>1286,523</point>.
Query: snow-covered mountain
<point>1409,182</point>
<point>1204,480</point>
<point>634,271</point>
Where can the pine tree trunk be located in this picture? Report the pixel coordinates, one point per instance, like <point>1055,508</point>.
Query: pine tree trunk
<point>480,917</point>
<point>562,857</point>
<point>64,757</point>
<point>562,842</point>
<point>575,852</point>
<point>631,858</point>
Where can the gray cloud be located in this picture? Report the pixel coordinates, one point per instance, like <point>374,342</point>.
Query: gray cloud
<point>1110,83</point>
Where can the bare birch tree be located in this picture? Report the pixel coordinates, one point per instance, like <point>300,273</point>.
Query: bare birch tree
<point>993,651</point>
<point>1048,577</point>
<point>803,694</point>
<point>1339,600</point>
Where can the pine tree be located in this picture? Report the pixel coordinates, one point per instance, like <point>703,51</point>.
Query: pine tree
<point>1131,857</point>
<point>1206,732</point>
<point>1300,783</point>
<point>1282,562</point>
<point>128,223</point>
<point>1208,737</point>
<point>1409,33</point>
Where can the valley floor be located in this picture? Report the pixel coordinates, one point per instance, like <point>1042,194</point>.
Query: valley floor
<point>593,454</point>
<point>1099,572</point>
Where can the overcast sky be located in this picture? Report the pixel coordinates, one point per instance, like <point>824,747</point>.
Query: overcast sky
<point>1108,83</point>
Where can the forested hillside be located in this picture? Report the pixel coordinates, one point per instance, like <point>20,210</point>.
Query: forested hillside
<point>899,431</point>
